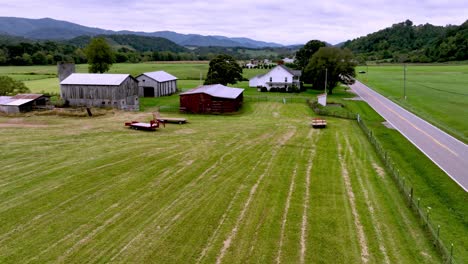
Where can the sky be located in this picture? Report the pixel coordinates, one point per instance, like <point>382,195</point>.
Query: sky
<point>286,22</point>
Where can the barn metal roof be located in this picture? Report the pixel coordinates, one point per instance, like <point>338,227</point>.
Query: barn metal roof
<point>160,76</point>
<point>27,96</point>
<point>19,102</point>
<point>95,79</point>
<point>18,99</point>
<point>5,100</point>
<point>217,90</point>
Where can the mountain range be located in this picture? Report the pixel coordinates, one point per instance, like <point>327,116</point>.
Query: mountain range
<point>51,29</point>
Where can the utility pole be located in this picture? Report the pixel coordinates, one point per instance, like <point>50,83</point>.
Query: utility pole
<point>367,72</point>
<point>326,74</point>
<point>404,81</point>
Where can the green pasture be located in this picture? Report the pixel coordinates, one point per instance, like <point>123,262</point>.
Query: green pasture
<point>261,186</point>
<point>437,93</point>
<point>447,201</point>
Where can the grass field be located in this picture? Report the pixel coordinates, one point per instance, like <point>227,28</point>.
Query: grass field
<point>447,200</point>
<point>437,93</point>
<point>261,186</point>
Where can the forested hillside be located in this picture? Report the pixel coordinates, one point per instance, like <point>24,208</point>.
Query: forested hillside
<point>405,42</point>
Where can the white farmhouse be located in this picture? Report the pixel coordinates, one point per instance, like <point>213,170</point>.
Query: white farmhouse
<point>156,84</point>
<point>288,60</point>
<point>280,77</point>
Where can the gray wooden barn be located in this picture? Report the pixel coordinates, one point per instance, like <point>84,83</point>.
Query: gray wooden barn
<point>100,90</point>
<point>156,84</point>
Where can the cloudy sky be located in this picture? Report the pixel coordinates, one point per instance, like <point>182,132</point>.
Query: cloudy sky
<point>285,22</point>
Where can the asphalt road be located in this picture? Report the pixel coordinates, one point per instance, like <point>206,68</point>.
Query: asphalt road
<point>450,154</point>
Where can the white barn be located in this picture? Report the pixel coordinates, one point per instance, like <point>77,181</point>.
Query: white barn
<point>156,84</point>
<point>280,77</point>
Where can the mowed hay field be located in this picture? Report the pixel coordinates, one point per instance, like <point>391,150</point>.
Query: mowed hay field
<point>437,93</point>
<point>260,186</point>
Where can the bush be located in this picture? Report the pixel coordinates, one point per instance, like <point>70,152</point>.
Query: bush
<point>9,86</point>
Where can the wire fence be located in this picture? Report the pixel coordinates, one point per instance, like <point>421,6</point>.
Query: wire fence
<point>404,185</point>
<point>278,99</point>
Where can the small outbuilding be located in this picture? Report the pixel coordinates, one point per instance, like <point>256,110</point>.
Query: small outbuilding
<point>100,90</point>
<point>215,98</point>
<point>156,84</point>
<point>322,99</point>
<point>21,103</point>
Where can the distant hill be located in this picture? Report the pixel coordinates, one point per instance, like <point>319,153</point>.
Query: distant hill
<point>138,43</point>
<point>405,42</point>
<point>51,29</point>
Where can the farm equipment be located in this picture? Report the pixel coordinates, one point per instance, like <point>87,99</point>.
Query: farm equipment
<point>319,123</point>
<point>151,126</point>
<point>175,120</point>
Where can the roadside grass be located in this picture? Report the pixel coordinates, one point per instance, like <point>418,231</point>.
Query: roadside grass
<point>448,201</point>
<point>437,93</point>
<point>229,188</point>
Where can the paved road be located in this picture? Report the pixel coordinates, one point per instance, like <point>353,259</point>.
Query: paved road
<point>450,154</point>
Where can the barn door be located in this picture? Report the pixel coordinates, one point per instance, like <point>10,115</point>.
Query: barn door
<point>148,91</point>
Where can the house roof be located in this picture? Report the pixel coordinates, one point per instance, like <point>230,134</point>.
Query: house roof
<point>160,76</point>
<point>216,90</point>
<point>258,76</point>
<point>95,79</point>
<point>293,72</point>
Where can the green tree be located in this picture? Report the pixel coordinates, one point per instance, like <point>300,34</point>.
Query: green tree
<point>9,86</point>
<point>224,69</point>
<point>39,58</point>
<point>338,63</point>
<point>100,55</point>
<point>304,54</point>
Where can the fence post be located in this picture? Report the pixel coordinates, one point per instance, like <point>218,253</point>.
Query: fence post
<point>428,213</point>
<point>411,198</point>
<point>451,253</point>
<point>438,233</point>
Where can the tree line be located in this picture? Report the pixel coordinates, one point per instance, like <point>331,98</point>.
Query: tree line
<point>127,48</point>
<point>405,42</point>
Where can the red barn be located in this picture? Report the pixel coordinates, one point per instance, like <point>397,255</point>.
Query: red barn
<point>215,98</point>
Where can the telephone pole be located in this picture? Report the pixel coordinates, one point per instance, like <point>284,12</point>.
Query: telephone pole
<point>404,81</point>
<point>326,74</point>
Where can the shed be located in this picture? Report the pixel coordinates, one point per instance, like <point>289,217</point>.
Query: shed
<point>156,84</point>
<point>322,99</point>
<point>100,90</point>
<point>23,103</point>
<point>215,98</point>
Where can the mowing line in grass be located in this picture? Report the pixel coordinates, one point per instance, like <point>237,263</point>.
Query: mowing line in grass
<point>223,217</point>
<point>285,213</point>
<point>232,235</point>
<point>189,187</point>
<point>352,202</point>
<point>370,205</point>
<point>306,207</point>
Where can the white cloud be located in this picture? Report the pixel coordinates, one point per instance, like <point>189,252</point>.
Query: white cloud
<point>286,22</point>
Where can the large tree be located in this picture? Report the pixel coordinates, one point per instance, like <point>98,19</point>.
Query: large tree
<point>9,86</point>
<point>223,69</point>
<point>303,55</point>
<point>338,64</point>
<point>100,55</point>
